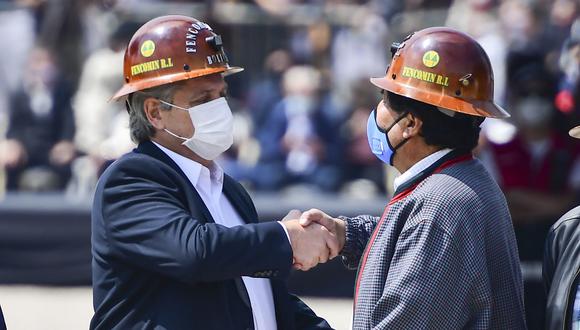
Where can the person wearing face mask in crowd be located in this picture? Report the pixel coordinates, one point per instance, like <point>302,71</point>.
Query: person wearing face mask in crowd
<point>538,170</point>
<point>175,241</point>
<point>443,255</point>
<point>298,139</point>
<point>38,149</point>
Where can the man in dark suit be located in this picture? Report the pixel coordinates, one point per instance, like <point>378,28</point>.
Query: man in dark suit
<point>176,243</point>
<point>38,150</point>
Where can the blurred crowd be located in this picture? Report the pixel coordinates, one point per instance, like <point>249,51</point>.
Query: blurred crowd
<point>301,105</point>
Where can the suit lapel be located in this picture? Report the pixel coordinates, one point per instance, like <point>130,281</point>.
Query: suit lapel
<point>150,149</point>
<point>234,195</point>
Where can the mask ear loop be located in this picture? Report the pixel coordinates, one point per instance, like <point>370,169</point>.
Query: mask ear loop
<point>172,105</point>
<point>175,135</point>
<point>386,131</point>
<point>168,131</point>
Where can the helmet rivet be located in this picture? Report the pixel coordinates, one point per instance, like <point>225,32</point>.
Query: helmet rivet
<point>465,79</point>
<point>126,78</point>
<point>458,92</point>
<point>394,76</point>
<point>186,67</point>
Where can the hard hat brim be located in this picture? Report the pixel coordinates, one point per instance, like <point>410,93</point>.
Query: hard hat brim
<point>471,107</point>
<point>167,79</point>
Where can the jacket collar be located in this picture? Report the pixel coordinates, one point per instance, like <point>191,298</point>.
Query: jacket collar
<point>230,188</point>
<point>419,167</point>
<point>449,159</point>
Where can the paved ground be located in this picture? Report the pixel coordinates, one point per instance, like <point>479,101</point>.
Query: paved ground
<point>47,308</point>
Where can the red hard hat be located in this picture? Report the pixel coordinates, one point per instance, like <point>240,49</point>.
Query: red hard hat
<point>169,49</point>
<point>445,68</point>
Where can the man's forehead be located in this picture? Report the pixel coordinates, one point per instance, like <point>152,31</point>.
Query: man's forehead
<point>205,84</point>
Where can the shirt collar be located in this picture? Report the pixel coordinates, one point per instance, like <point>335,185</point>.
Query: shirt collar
<point>194,170</point>
<point>419,166</point>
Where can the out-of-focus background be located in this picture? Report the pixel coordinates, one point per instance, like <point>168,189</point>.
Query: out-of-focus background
<point>300,113</point>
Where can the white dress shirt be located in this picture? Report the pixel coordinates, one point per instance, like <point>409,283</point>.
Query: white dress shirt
<point>419,166</point>
<point>209,185</point>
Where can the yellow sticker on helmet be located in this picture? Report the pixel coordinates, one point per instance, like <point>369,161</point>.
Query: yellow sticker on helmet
<point>147,48</point>
<point>430,58</point>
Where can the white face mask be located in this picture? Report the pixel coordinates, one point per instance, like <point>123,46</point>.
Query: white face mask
<point>213,128</point>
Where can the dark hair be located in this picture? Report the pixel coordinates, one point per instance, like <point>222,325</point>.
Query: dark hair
<point>459,132</point>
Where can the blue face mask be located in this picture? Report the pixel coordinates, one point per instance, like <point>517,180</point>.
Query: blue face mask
<point>379,140</point>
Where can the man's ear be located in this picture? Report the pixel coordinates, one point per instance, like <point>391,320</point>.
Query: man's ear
<point>413,125</point>
<point>153,113</point>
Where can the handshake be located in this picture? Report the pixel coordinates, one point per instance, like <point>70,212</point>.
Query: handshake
<point>315,237</point>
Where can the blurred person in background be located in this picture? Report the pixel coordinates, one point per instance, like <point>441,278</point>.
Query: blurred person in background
<point>17,26</point>
<point>297,139</point>
<point>176,242</point>
<point>17,29</point>
<point>102,128</point>
<point>267,91</point>
<point>363,175</point>
<point>358,52</point>
<point>561,269</point>
<point>39,149</point>
<point>536,170</point>
<point>241,160</point>
<point>443,255</point>
<point>310,45</point>
<point>535,32</point>
<point>59,27</point>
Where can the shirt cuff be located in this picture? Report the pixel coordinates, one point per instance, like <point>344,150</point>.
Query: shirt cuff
<point>286,231</point>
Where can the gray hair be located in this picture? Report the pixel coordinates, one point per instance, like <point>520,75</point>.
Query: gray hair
<point>139,126</point>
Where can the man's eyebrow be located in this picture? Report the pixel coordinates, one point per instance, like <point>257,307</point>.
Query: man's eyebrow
<point>198,96</point>
<point>205,93</point>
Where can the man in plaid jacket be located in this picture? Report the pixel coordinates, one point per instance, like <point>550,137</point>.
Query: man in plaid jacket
<point>443,255</point>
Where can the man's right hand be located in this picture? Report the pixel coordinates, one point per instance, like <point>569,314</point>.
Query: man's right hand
<point>311,245</point>
<point>334,225</point>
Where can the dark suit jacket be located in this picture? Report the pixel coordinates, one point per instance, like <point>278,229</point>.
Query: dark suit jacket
<point>161,262</point>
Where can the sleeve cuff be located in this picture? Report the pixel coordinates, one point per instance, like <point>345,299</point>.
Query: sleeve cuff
<point>286,231</point>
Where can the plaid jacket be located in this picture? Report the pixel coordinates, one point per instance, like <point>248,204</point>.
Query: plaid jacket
<point>442,256</point>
